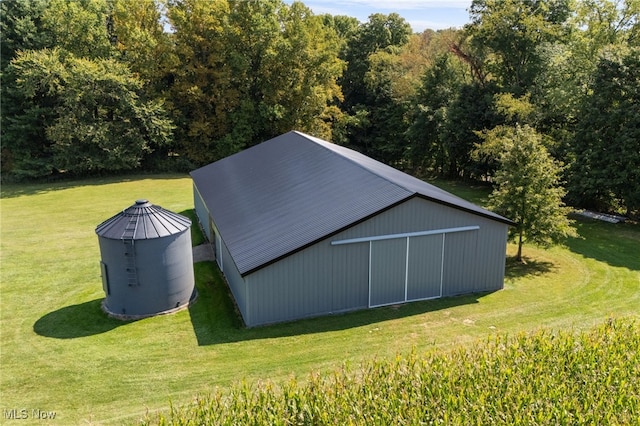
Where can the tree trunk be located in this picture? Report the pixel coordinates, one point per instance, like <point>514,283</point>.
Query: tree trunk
<point>519,254</point>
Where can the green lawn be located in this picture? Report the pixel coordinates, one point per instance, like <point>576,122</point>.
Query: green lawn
<point>60,353</point>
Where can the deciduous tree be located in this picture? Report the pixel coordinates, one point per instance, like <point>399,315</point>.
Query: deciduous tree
<point>98,123</point>
<point>441,84</point>
<point>202,95</point>
<point>512,31</point>
<point>141,41</point>
<point>25,150</point>
<point>370,90</point>
<point>527,186</point>
<point>606,170</point>
<point>301,80</point>
<point>80,27</point>
<point>250,71</point>
<point>378,33</point>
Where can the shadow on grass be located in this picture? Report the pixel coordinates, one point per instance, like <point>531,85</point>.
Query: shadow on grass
<point>616,244</point>
<point>515,269</point>
<point>82,320</point>
<point>215,319</point>
<point>197,236</point>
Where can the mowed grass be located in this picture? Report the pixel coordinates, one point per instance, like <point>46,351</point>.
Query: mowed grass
<point>60,353</point>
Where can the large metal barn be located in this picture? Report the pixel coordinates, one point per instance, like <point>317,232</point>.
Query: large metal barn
<point>302,227</point>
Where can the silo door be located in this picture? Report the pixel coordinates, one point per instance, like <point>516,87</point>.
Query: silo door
<point>105,278</point>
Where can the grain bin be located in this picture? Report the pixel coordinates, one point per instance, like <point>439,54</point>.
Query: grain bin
<point>146,261</point>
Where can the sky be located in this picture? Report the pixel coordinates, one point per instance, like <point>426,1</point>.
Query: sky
<point>421,14</point>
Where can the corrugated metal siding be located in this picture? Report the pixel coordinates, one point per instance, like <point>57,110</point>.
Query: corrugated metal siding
<point>388,270</point>
<point>490,260</point>
<point>236,282</point>
<point>318,280</point>
<point>201,212</point>
<point>350,276</point>
<point>322,278</point>
<point>460,263</point>
<point>297,287</point>
<point>425,267</point>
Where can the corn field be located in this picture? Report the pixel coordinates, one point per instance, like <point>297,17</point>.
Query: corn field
<point>541,378</point>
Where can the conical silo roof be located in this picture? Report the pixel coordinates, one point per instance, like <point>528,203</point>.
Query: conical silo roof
<point>141,221</point>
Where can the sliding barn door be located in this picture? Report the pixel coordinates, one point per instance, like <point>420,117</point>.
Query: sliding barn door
<point>424,277</point>
<point>388,267</point>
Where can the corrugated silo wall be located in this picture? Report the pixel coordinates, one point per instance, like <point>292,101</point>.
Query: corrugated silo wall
<point>166,268</point>
<point>327,278</point>
<point>164,279</point>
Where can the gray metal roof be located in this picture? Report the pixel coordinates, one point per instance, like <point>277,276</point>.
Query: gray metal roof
<point>285,194</point>
<point>141,221</point>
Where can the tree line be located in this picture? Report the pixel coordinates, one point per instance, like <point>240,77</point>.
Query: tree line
<point>104,86</point>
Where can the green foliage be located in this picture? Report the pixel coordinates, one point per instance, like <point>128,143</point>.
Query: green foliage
<point>378,33</point>
<point>24,148</point>
<point>393,82</point>
<point>562,87</point>
<point>385,109</point>
<point>233,73</point>
<point>512,31</point>
<point>345,27</point>
<point>74,108</point>
<point>79,27</point>
<point>607,22</point>
<point>527,187</point>
<point>606,171</point>
<point>471,110</point>
<point>542,56</point>
<point>369,85</point>
<point>97,121</point>
<point>440,84</point>
<point>201,96</point>
<point>515,110</point>
<point>141,42</point>
<point>249,71</point>
<point>539,378</point>
<point>307,69</point>
<point>22,29</point>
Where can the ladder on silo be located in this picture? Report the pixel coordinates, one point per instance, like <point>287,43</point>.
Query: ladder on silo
<point>130,251</point>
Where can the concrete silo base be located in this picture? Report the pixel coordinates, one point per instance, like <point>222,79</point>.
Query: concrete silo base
<point>125,317</point>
